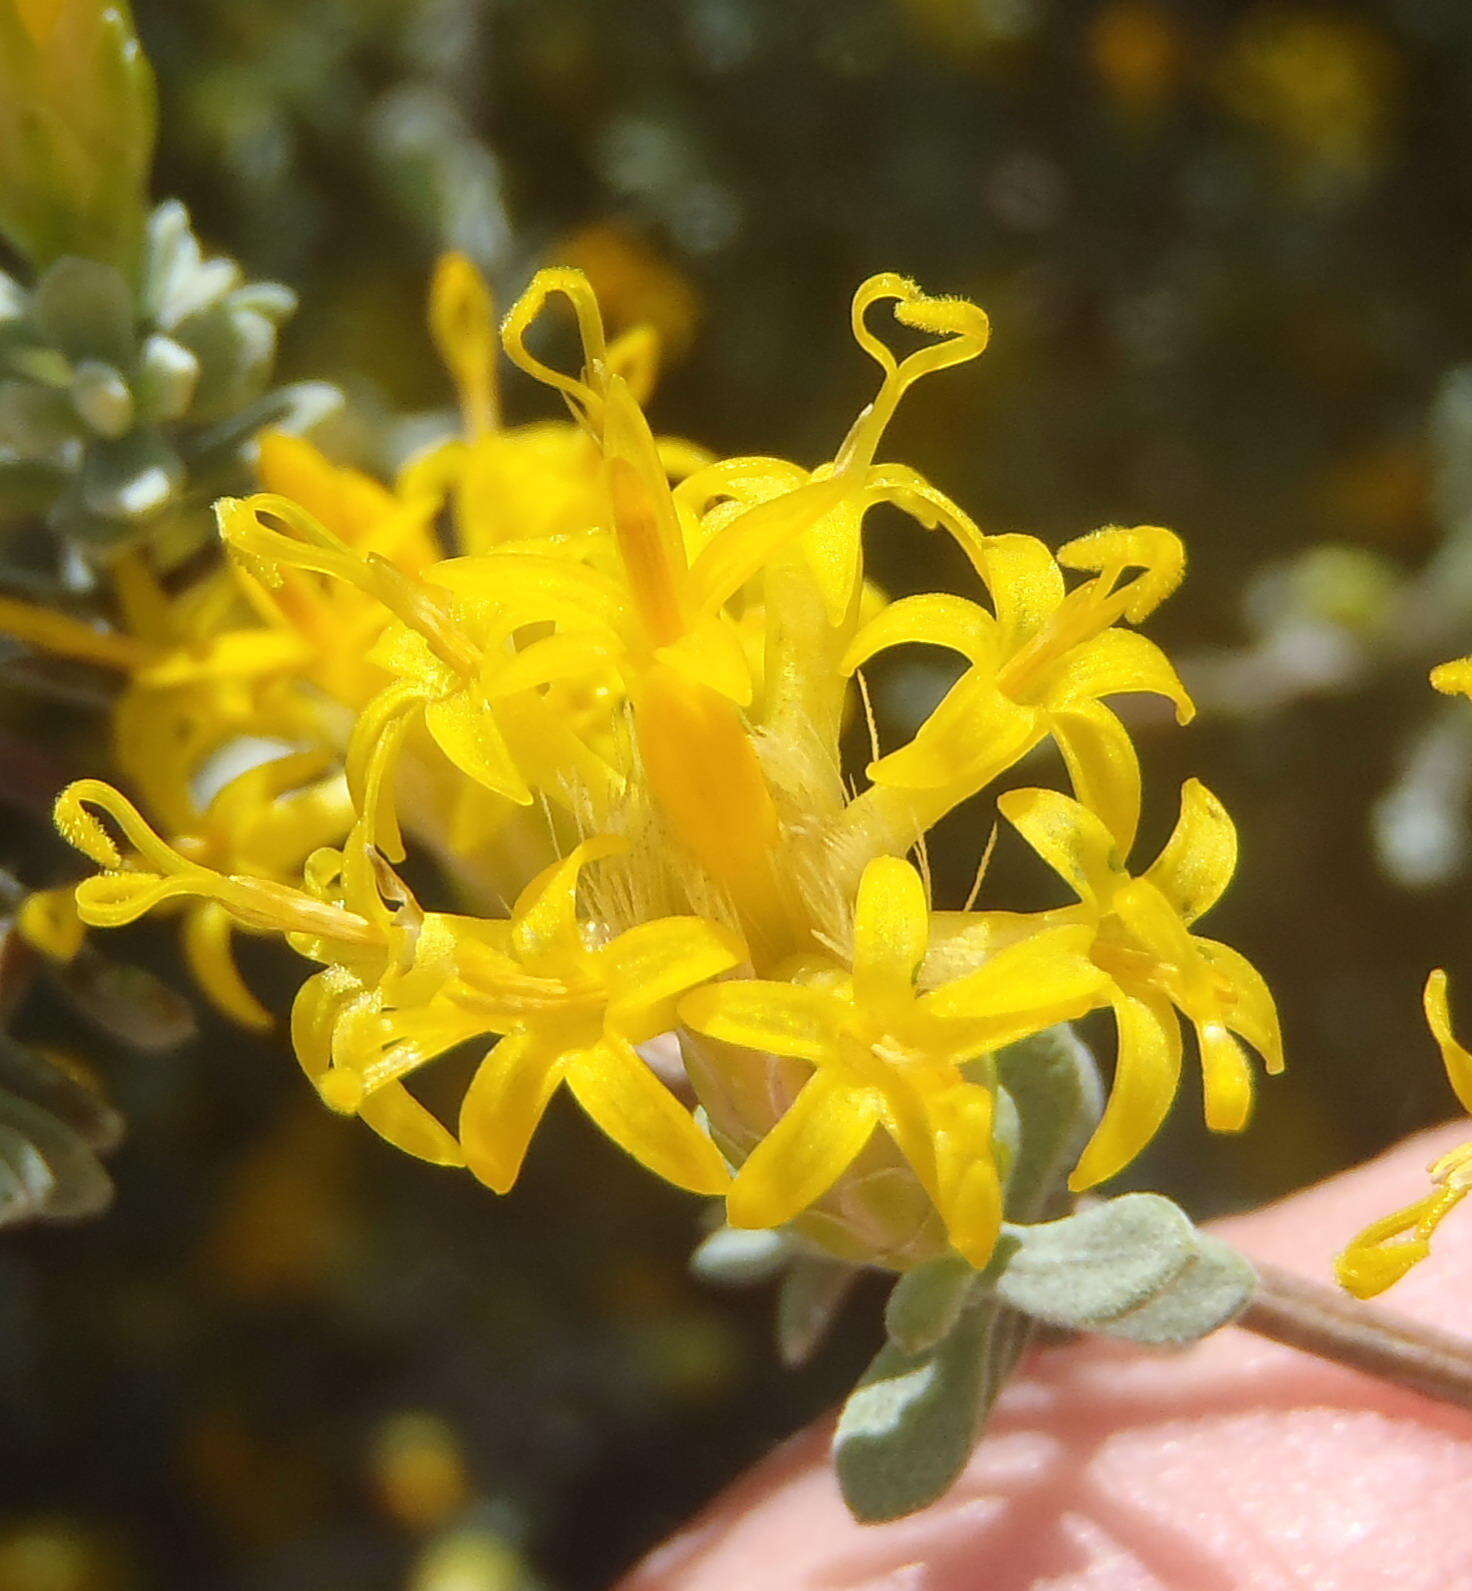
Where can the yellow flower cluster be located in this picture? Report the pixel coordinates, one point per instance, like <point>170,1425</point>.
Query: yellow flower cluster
<point>1383,1253</point>
<point>618,707</point>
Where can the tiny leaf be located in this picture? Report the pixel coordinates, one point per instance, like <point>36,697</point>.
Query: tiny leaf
<point>926,1303</point>
<point>733,1257</point>
<point>812,1293</point>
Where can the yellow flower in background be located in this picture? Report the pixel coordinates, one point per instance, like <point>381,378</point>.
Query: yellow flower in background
<point>885,1055</point>
<point>1383,1253</point>
<point>236,707</point>
<point>529,484</point>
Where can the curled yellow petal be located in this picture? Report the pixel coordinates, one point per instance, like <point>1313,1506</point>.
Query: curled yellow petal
<point>783,1018</point>
<point>396,1116</point>
<point>48,920</point>
<point>506,1100</point>
<point>544,920</point>
<point>1102,766</point>
<point>1116,663</point>
<point>973,736</point>
<point>1454,1056</point>
<point>1039,972</point>
<point>1249,1007</point>
<point>1073,841</point>
<point>463,725</point>
<point>1025,584</point>
<point>931,619</point>
<point>574,287</point>
<point>649,966</point>
<point>54,632</point>
<point>968,1190</point>
<point>1147,1072</point>
<point>1226,1076</point>
<point>208,932</point>
<point>1198,860</point>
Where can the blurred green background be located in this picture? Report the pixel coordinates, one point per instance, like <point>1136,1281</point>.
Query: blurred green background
<point>1227,252</point>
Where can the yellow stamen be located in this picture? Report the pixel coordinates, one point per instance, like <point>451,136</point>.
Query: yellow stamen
<point>55,633</point>
<point>462,321</point>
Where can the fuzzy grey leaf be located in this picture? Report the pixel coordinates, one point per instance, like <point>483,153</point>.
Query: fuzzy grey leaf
<point>167,376</point>
<point>909,1426</point>
<point>46,1170</point>
<point>1210,1292</point>
<point>926,1302</point>
<point>86,309</point>
<point>131,478</point>
<point>128,1003</point>
<point>731,1257</point>
<point>1054,1083</point>
<point>235,349</point>
<point>1100,1264</point>
<point>32,1077</point>
<point>812,1293</point>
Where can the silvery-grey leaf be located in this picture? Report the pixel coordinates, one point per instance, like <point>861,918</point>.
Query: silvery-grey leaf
<point>127,1003</point>
<point>925,1303</point>
<point>14,300</point>
<point>29,484</point>
<point>178,280</point>
<point>86,309</point>
<point>908,1428</point>
<point>1209,1293</point>
<point>131,478</point>
<point>1098,1265</point>
<point>810,1297</point>
<point>101,398</point>
<point>38,361</point>
<point>30,1076</point>
<point>304,404</point>
<point>57,1174</point>
<point>235,349</point>
<point>167,376</point>
<point>36,422</point>
<point>731,1257</point>
<point>294,408</point>
<point>1054,1083</point>
<point>271,300</point>
<point>170,256</point>
<point>26,1181</point>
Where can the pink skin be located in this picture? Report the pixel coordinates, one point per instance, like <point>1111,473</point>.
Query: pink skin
<point>1237,1465</point>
